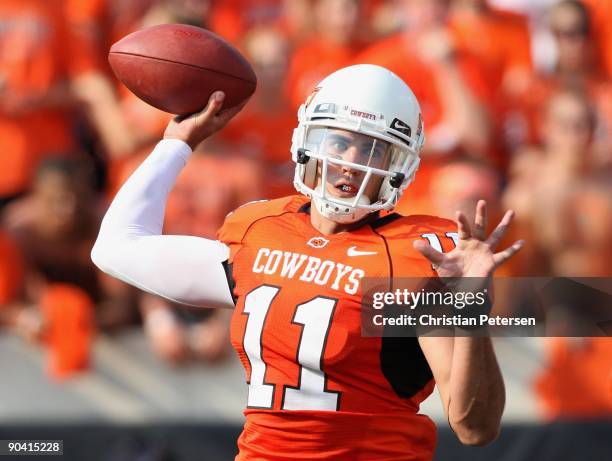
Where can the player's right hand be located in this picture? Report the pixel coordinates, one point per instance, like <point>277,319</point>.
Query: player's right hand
<point>195,128</point>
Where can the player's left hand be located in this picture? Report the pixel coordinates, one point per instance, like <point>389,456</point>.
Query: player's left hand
<point>475,254</point>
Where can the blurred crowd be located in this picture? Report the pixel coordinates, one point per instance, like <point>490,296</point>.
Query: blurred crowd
<point>517,104</point>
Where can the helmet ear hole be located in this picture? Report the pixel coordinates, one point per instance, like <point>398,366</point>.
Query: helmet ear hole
<point>302,156</point>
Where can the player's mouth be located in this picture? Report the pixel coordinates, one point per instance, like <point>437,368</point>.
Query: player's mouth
<point>344,188</point>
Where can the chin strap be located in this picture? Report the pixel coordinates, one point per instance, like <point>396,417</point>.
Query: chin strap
<point>342,214</point>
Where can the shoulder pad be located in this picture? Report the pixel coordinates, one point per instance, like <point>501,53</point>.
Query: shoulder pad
<point>238,221</point>
<point>396,225</point>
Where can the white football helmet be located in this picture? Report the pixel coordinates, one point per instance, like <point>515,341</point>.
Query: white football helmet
<point>368,100</point>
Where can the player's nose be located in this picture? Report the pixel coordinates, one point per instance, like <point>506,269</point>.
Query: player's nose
<point>350,155</point>
<point>349,170</point>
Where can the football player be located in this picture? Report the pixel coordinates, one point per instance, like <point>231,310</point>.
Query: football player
<point>292,269</point>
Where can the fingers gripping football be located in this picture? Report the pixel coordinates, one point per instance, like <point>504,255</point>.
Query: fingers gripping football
<point>195,128</point>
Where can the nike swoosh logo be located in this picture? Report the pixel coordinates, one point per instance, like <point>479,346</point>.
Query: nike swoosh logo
<point>353,251</point>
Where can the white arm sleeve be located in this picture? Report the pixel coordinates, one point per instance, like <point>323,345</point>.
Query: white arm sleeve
<point>130,247</point>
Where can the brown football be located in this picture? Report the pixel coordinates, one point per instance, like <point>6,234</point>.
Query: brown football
<point>176,67</point>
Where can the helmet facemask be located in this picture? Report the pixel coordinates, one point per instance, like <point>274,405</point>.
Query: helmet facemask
<point>349,174</point>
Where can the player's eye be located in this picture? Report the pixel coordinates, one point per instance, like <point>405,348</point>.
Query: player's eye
<point>337,145</point>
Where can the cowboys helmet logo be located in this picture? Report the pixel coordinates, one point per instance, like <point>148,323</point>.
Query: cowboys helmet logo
<point>317,242</point>
<point>312,95</point>
<point>400,126</point>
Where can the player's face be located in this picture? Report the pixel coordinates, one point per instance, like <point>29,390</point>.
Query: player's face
<point>344,181</point>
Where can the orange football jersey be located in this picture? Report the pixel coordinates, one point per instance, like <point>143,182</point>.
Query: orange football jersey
<point>318,388</point>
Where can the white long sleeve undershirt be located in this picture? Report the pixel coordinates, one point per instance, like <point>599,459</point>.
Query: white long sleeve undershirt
<point>131,247</point>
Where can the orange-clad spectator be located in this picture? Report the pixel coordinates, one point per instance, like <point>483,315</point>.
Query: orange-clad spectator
<point>577,68</point>
<point>88,29</point>
<point>382,17</point>
<point>335,42</point>
<point>570,222</point>
<point>500,39</point>
<point>460,184</point>
<point>263,129</point>
<point>144,122</point>
<point>14,314</point>
<point>449,83</point>
<point>100,23</point>
<point>577,381</point>
<point>64,299</point>
<point>232,19</point>
<point>194,12</point>
<point>601,12</point>
<point>55,226</point>
<point>180,336</point>
<point>124,17</point>
<point>88,22</point>
<point>34,93</point>
<point>213,184</point>
<point>122,121</point>
<point>588,216</point>
<point>571,25</point>
<point>550,171</point>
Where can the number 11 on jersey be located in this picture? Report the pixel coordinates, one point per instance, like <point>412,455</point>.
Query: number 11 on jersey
<point>315,317</point>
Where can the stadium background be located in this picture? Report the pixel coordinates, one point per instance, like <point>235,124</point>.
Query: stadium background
<point>517,103</point>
